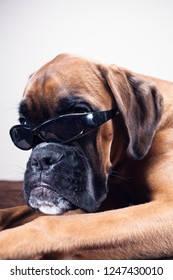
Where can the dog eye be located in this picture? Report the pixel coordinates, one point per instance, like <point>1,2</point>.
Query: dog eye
<point>81,110</point>
<point>22,120</point>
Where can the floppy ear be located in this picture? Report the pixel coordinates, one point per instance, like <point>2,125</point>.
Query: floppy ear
<point>140,105</point>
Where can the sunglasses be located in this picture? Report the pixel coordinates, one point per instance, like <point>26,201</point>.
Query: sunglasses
<point>62,129</point>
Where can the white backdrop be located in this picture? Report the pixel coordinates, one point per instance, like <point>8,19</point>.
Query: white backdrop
<point>136,34</point>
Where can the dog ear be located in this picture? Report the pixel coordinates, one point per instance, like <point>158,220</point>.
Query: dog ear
<point>140,105</point>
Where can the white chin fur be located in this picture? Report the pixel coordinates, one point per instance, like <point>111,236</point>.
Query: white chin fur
<point>51,210</point>
<point>48,201</point>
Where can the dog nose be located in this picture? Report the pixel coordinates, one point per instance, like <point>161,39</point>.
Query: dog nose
<point>41,163</point>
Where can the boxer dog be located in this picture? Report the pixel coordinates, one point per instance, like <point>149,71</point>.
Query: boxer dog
<point>101,140</point>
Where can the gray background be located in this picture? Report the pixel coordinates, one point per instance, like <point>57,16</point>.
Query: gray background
<point>136,34</point>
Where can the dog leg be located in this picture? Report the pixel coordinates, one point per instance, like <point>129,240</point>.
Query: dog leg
<point>136,232</point>
<point>15,216</point>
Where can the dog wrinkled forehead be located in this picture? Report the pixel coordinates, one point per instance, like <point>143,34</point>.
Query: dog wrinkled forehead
<point>65,77</point>
<point>63,74</point>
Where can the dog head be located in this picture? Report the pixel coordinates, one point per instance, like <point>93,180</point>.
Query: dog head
<point>63,175</point>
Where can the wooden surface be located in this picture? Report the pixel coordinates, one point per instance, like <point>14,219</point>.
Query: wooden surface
<point>11,194</point>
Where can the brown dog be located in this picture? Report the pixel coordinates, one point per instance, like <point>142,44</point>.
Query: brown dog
<point>102,140</point>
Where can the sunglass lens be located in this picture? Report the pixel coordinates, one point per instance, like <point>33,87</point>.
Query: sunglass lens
<point>62,130</point>
<point>22,137</point>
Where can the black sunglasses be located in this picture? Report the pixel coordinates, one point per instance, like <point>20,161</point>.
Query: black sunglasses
<point>62,129</point>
